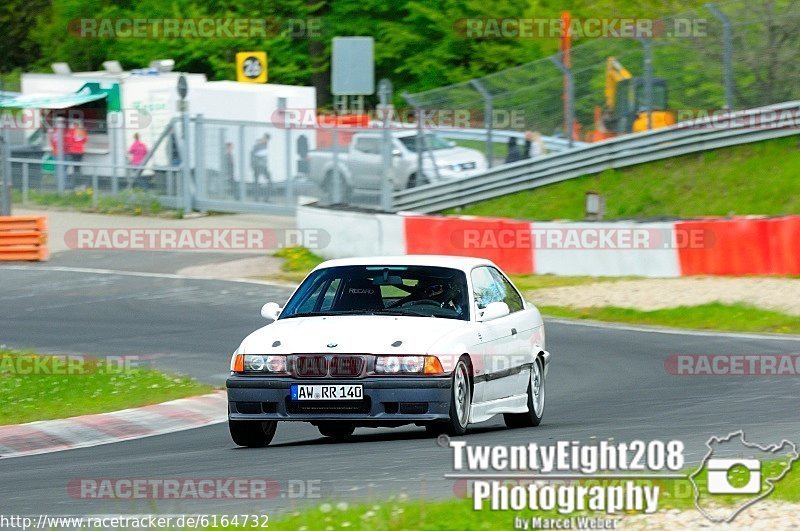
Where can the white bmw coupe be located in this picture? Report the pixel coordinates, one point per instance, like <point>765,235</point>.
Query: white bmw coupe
<point>436,341</point>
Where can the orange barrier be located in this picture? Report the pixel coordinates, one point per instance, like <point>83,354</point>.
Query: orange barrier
<point>23,238</point>
<point>494,239</point>
<point>743,247</point>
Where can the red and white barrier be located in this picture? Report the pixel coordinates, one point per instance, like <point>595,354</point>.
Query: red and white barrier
<point>737,246</point>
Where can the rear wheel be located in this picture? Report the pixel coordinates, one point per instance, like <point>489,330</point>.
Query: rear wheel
<point>328,185</point>
<point>336,430</point>
<point>252,433</point>
<point>460,404</point>
<point>535,401</point>
<point>416,180</point>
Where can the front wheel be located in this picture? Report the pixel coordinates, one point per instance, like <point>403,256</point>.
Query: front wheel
<point>252,433</point>
<point>535,400</point>
<point>460,404</point>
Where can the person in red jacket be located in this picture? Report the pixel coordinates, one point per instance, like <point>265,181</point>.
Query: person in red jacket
<point>75,143</point>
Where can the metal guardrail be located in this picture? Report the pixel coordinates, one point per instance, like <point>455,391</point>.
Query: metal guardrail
<point>501,136</point>
<point>682,139</point>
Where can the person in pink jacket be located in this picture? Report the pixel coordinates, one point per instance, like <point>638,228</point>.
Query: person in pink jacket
<point>137,153</point>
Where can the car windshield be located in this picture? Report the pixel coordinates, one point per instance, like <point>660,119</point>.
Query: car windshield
<point>432,141</point>
<point>418,291</point>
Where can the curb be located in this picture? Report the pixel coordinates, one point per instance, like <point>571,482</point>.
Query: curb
<point>47,436</point>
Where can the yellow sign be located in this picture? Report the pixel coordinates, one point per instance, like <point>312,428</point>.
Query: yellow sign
<point>251,67</point>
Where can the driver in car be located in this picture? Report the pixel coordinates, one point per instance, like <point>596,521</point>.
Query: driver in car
<point>439,291</point>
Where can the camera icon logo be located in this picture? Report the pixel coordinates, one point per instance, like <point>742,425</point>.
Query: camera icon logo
<point>735,467</point>
<point>734,476</point>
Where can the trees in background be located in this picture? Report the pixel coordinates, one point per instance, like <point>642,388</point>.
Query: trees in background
<point>420,44</point>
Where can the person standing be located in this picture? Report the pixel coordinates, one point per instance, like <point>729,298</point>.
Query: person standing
<point>259,162</point>
<point>534,145</point>
<point>228,169</point>
<point>137,153</point>
<point>58,151</point>
<point>75,140</point>
<point>513,151</point>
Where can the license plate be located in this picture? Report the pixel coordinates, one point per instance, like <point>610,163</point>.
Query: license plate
<point>327,392</point>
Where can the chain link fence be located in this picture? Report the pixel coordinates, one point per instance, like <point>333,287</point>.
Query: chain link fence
<point>732,55</point>
<point>213,165</point>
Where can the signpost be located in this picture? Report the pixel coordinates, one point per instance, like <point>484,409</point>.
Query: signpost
<point>183,107</point>
<point>387,183</point>
<point>251,67</point>
<point>353,66</point>
<point>352,78</point>
<point>5,168</point>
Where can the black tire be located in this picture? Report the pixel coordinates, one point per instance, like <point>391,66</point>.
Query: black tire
<point>415,180</point>
<point>533,417</point>
<point>460,404</point>
<point>252,433</point>
<point>336,430</point>
<point>328,185</point>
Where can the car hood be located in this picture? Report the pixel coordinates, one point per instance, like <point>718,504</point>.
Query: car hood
<point>455,155</point>
<point>362,334</point>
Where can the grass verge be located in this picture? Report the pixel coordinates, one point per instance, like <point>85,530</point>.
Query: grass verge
<point>297,263</point>
<point>534,282</point>
<point>459,514</point>
<point>758,178</point>
<point>133,203</point>
<point>37,387</point>
<point>711,316</point>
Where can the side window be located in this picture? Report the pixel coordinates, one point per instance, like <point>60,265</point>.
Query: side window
<point>485,287</point>
<point>509,294</point>
<point>367,145</point>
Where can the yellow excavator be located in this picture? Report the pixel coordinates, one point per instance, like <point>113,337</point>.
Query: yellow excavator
<point>625,108</point>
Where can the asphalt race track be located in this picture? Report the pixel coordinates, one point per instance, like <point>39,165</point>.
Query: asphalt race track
<point>603,383</point>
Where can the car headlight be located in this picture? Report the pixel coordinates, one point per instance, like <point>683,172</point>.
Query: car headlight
<point>408,365</point>
<point>259,363</point>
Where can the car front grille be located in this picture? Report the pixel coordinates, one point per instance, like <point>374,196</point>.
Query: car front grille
<point>346,366</point>
<point>332,365</point>
<point>330,406</point>
<point>310,366</point>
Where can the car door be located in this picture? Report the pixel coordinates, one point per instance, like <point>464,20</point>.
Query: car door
<point>366,162</point>
<point>521,321</point>
<point>494,371</point>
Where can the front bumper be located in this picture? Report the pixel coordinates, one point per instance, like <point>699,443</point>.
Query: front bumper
<point>390,400</point>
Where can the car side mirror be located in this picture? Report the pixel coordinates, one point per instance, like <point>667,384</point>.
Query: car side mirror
<point>451,144</point>
<point>493,311</point>
<point>397,153</point>
<point>270,311</point>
